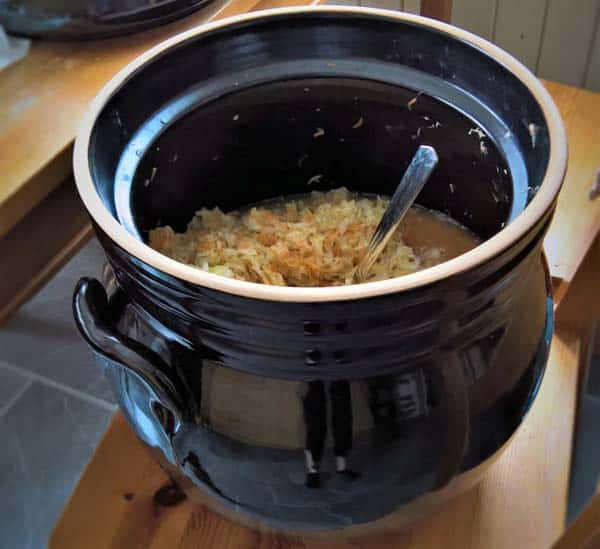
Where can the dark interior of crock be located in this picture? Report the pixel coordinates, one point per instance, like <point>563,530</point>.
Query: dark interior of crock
<point>314,101</point>
<point>294,136</point>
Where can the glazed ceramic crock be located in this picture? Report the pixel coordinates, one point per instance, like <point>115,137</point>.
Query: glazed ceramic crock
<point>338,411</point>
<point>90,19</point>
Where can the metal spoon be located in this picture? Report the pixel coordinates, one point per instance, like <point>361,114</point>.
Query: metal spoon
<point>413,180</point>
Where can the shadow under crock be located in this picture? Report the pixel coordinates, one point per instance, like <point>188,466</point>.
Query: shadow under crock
<point>346,416</point>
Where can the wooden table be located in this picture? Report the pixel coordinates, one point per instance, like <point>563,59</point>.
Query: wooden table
<point>577,220</point>
<point>522,501</point>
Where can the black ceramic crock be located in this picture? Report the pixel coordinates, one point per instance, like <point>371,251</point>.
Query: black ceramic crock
<point>323,412</point>
<point>87,19</point>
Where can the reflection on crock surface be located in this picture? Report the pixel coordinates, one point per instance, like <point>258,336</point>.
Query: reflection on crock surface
<point>304,455</point>
<point>315,418</point>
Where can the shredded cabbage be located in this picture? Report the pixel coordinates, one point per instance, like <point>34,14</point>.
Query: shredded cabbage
<point>315,240</point>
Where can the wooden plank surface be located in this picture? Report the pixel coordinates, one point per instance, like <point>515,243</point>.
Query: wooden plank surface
<point>577,219</point>
<point>580,307</point>
<point>521,503</point>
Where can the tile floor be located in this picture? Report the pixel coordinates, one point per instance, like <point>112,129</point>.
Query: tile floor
<point>54,407</point>
<point>585,468</point>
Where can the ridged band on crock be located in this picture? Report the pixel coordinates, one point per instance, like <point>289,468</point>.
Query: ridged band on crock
<point>539,206</point>
<point>346,339</point>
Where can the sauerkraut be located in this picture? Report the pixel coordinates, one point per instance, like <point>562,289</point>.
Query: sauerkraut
<point>314,240</point>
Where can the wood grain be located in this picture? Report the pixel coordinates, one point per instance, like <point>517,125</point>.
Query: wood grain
<point>521,503</point>
<point>580,307</point>
<point>577,219</point>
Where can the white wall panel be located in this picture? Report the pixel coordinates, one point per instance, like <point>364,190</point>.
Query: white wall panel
<point>412,6</point>
<point>387,4</point>
<point>592,80</point>
<point>518,28</point>
<point>567,40</point>
<point>475,15</point>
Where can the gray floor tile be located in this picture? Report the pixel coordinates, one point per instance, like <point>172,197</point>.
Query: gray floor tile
<point>42,336</point>
<point>47,438</point>
<point>12,386</point>
<point>593,382</point>
<point>585,470</point>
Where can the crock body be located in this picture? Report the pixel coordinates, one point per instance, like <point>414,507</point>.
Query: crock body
<point>416,391</point>
<point>332,417</point>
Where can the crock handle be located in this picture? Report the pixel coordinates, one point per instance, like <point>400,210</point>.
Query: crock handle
<point>457,423</point>
<point>95,319</point>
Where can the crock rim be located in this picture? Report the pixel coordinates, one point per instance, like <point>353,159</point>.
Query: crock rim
<point>535,210</point>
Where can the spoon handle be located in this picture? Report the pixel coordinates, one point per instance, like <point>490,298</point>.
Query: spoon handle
<point>413,180</point>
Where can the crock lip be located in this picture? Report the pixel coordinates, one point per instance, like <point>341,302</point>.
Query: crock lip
<point>540,204</point>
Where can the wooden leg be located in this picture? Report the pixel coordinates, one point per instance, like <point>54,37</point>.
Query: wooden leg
<point>38,245</point>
